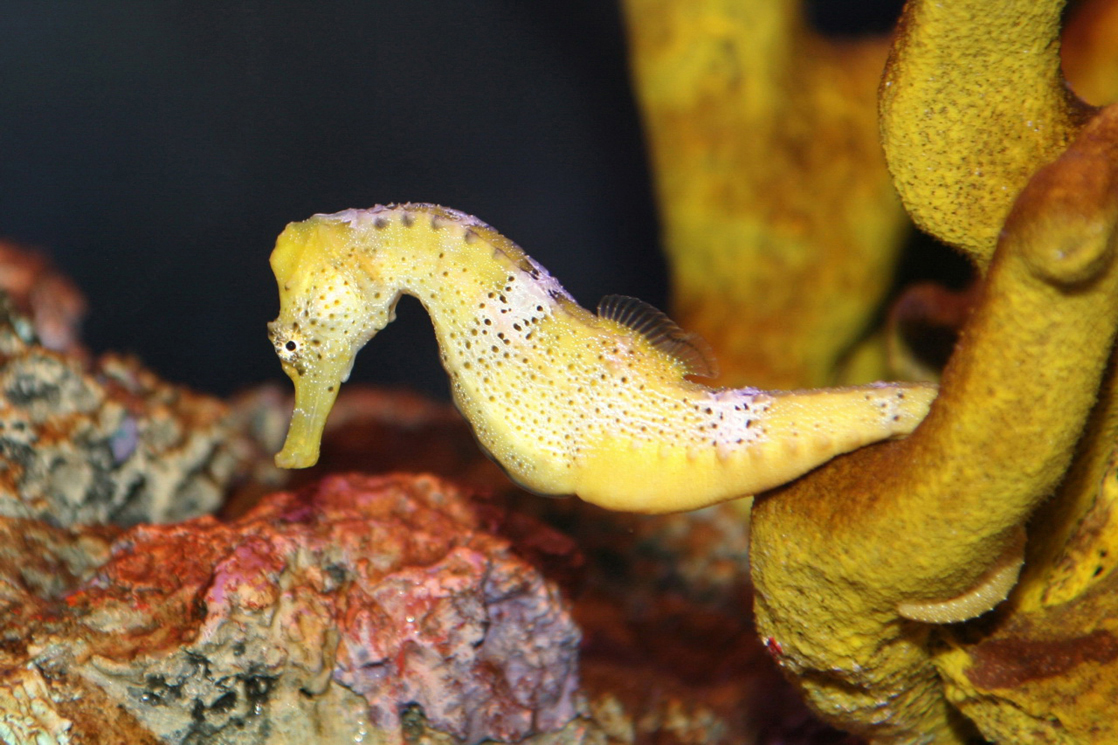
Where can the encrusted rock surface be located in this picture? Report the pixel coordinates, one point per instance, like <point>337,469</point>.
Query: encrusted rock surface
<point>107,442</point>
<point>52,304</point>
<point>318,616</point>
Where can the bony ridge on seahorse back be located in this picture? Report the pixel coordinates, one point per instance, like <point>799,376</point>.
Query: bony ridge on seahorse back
<point>565,400</point>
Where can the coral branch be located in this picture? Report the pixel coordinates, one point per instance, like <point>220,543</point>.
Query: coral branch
<point>925,518</point>
<point>971,103</point>
<point>780,224</point>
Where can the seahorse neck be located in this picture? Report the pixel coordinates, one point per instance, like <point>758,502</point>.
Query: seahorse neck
<point>449,261</point>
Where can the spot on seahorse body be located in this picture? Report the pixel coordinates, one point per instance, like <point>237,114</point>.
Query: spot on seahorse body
<point>529,295</point>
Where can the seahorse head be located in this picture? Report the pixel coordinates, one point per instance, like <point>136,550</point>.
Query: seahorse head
<point>327,313</point>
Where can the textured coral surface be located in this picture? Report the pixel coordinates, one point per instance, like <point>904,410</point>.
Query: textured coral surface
<point>780,223</point>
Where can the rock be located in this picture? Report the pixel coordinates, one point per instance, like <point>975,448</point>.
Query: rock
<point>108,442</point>
<point>318,616</point>
<point>52,304</point>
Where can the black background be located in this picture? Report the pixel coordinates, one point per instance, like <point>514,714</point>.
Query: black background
<point>156,149</point>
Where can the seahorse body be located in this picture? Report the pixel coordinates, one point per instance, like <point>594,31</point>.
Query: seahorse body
<point>567,401</point>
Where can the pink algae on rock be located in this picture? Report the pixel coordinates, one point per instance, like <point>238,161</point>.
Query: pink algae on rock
<point>329,612</point>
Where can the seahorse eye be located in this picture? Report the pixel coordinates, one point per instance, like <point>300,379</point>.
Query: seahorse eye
<point>290,346</point>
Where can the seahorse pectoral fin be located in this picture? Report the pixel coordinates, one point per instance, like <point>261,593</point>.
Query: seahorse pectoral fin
<point>314,397</point>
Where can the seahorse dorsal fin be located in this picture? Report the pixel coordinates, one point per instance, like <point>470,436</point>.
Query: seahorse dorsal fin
<point>662,332</point>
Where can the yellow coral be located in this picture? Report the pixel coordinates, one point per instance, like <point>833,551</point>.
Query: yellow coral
<point>1048,672</point>
<point>925,519</point>
<point>780,224</point>
<point>972,102</point>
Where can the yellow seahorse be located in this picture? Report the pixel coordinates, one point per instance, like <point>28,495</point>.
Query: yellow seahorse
<point>565,400</point>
